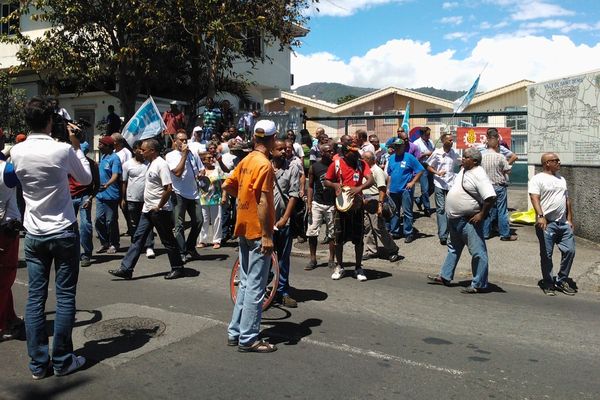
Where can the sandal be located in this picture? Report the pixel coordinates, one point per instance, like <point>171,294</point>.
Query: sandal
<point>259,346</point>
<point>201,245</point>
<point>216,245</point>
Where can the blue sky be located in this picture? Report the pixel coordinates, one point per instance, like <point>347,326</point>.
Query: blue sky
<point>410,43</point>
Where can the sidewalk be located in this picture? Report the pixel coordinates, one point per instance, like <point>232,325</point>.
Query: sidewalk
<point>512,262</point>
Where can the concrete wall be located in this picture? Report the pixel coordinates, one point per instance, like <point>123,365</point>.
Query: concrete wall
<point>584,184</point>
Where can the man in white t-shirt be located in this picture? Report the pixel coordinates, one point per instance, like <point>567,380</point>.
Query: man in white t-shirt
<point>133,184</point>
<point>156,213</point>
<point>186,167</point>
<point>441,165</point>
<point>554,224</point>
<point>378,241</point>
<point>426,148</point>
<point>124,155</point>
<point>467,204</point>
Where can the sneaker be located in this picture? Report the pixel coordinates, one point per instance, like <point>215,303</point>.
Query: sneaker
<point>76,363</point>
<point>150,253</point>
<point>409,239</point>
<point>310,266</point>
<point>102,249</point>
<point>288,302</point>
<point>85,262</point>
<point>360,275</point>
<point>549,290</point>
<point>111,250</point>
<point>338,272</point>
<point>510,238</point>
<point>40,375</point>
<point>565,288</point>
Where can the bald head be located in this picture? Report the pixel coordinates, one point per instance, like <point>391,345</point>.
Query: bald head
<point>369,158</point>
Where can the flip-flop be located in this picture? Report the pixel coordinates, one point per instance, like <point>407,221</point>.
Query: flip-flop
<point>260,346</point>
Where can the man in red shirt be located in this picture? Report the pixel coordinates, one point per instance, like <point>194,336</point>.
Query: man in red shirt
<point>352,172</point>
<point>174,119</point>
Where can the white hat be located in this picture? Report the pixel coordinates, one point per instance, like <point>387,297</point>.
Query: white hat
<point>173,103</point>
<point>197,129</point>
<point>266,126</point>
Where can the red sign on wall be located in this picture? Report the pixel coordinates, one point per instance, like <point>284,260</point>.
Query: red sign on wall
<point>474,136</point>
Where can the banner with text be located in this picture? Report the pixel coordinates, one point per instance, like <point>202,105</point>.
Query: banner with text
<point>475,136</point>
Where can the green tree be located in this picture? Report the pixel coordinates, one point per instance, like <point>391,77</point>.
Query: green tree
<point>346,98</point>
<point>186,47</point>
<point>12,102</point>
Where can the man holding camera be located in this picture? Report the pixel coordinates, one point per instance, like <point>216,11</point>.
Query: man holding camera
<point>42,166</point>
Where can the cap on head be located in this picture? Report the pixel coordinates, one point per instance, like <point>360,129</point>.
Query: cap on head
<point>107,141</point>
<point>264,128</point>
<point>173,103</point>
<point>197,129</point>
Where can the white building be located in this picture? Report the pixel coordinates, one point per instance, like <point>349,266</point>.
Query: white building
<point>269,77</point>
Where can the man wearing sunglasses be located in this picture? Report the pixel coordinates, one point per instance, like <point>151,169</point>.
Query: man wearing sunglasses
<point>554,224</point>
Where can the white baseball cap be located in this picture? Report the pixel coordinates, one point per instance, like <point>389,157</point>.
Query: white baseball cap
<point>197,129</point>
<point>267,128</point>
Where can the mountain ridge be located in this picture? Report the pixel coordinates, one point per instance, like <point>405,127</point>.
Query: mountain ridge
<point>332,92</point>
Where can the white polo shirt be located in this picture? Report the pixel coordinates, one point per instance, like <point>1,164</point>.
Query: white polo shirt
<point>42,166</point>
<point>185,185</point>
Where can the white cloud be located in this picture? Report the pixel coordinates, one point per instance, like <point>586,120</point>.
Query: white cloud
<point>456,20</point>
<point>547,24</point>
<point>409,64</point>
<point>346,8</point>
<point>527,10</point>
<point>464,36</point>
<point>485,25</point>
<point>449,4</point>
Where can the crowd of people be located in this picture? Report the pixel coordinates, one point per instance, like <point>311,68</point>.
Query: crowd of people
<point>249,182</point>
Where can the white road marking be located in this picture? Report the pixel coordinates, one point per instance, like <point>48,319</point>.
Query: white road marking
<point>374,354</point>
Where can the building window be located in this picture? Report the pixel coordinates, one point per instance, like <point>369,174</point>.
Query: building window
<point>519,144</point>
<point>433,111</point>
<point>8,28</point>
<point>516,122</point>
<point>479,119</point>
<point>391,121</point>
<point>253,44</point>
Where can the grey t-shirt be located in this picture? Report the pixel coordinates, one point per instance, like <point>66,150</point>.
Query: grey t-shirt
<point>288,180</point>
<point>134,173</point>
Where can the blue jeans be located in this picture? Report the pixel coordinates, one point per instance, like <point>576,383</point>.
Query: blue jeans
<point>181,205</point>
<point>85,225</point>
<point>499,211</point>
<point>134,212</point>
<point>247,312</point>
<point>561,234</point>
<point>463,233</point>
<point>440,212</point>
<point>62,248</point>
<point>426,182</point>
<point>107,222</point>
<point>162,221</point>
<point>282,241</point>
<point>404,202</point>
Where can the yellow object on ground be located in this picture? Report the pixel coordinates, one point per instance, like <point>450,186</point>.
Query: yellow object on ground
<point>523,217</point>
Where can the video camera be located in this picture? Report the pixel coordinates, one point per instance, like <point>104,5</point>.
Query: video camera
<point>60,131</point>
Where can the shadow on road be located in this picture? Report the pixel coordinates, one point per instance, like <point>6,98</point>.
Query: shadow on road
<point>96,316</point>
<point>289,333</point>
<point>304,295</point>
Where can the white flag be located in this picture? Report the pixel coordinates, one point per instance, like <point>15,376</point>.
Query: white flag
<point>145,123</point>
<point>463,102</point>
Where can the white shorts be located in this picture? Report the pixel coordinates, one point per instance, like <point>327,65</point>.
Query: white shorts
<point>321,214</point>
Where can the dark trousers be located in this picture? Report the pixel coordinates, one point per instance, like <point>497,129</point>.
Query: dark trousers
<point>162,221</point>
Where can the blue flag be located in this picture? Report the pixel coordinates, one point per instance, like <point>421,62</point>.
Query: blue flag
<point>463,102</point>
<point>145,123</point>
<point>405,121</point>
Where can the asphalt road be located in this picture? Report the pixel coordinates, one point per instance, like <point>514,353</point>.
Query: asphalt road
<point>392,337</point>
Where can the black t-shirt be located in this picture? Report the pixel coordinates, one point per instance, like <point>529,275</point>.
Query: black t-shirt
<point>322,195</point>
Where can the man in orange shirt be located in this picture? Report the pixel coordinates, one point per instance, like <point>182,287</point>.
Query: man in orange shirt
<point>252,183</point>
<point>174,120</point>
